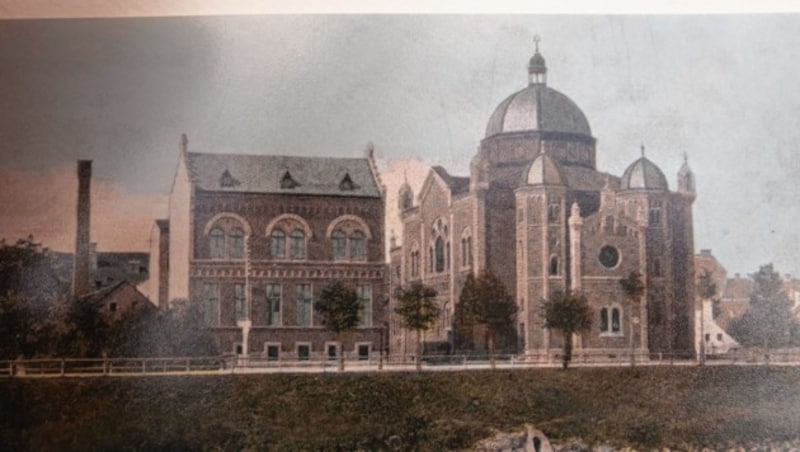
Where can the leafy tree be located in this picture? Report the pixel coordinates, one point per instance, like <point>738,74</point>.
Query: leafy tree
<point>418,311</point>
<point>32,280</point>
<point>633,288</point>
<point>485,301</point>
<point>768,321</point>
<point>339,308</point>
<point>569,313</point>
<point>177,331</point>
<point>706,290</point>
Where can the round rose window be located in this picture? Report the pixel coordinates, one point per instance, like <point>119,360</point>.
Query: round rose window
<point>609,256</point>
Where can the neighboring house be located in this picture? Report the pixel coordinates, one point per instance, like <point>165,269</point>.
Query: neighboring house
<point>536,211</point>
<point>110,267</point>
<point>117,301</point>
<point>708,329</point>
<point>253,239</point>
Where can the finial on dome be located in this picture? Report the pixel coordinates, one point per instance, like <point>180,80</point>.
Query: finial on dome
<point>686,158</point>
<point>184,143</point>
<point>642,147</point>
<point>537,69</point>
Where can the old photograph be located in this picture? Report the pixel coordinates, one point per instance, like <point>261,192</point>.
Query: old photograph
<point>377,231</point>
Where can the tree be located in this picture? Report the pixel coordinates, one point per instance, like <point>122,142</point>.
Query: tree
<point>485,301</point>
<point>569,313</point>
<point>768,321</point>
<point>417,311</point>
<point>633,288</point>
<point>339,309</point>
<point>706,290</point>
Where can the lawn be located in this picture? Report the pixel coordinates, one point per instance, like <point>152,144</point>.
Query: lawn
<point>673,407</point>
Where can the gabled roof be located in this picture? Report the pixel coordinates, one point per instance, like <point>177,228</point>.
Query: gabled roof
<point>456,184</point>
<point>99,296</point>
<point>242,173</point>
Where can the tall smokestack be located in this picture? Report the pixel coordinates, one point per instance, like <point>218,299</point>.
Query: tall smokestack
<point>80,267</point>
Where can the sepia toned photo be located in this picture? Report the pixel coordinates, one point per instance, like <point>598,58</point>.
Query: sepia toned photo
<point>241,229</point>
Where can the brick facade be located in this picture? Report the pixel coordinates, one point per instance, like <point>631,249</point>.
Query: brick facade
<point>535,170</point>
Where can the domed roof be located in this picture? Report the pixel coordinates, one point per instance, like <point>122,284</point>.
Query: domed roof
<point>643,175</point>
<point>543,171</point>
<point>538,108</point>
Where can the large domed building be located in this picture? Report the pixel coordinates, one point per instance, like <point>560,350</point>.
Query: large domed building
<point>536,211</point>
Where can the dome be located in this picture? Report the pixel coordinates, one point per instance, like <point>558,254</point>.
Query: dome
<point>643,175</point>
<point>543,171</point>
<point>538,108</point>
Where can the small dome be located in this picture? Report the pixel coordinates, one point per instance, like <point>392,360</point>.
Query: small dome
<point>536,65</point>
<point>543,171</point>
<point>643,175</point>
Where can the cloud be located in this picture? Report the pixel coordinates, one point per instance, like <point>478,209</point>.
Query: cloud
<point>44,203</point>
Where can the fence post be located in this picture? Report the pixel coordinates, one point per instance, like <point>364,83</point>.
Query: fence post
<point>62,367</point>
<point>187,365</point>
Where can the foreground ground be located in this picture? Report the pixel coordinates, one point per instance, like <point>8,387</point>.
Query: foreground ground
<point>674,407</point>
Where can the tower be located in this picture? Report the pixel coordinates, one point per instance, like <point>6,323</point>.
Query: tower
<point>81,260</point>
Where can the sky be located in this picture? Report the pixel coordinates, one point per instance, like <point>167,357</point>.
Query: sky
<point>719,88</point>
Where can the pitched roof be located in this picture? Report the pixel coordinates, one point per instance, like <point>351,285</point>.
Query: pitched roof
<point>457,184</point>
<point>586,179</point>
<point>241,173</point>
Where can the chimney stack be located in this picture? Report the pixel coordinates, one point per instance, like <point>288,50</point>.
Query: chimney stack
<point>81,263</point>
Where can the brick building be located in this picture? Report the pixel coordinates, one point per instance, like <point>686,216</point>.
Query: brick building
<point>254,239</point>
<point>536,211</point>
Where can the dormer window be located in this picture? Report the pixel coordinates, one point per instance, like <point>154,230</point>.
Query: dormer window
<point>288,182</point>
<point>227,180</point>
<point>347,183</point>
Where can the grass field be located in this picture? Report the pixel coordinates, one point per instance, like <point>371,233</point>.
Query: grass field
<point>643,407</point>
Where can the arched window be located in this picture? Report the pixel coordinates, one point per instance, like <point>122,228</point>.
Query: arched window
<point>439,255</point>
<point>554,265</point>
<point>217,244</point>
<point>226,233</point>
<point>237,243</point>
<point>357,250</point>
<point>604,320</point>
<point>615,320</point>
<point>611,320</point>
<point>430,259</point>
<point>298,244</point>
<point>278,244</point>
<point>338,239</point>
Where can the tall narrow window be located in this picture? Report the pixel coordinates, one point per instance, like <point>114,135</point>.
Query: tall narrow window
<point>554,265</point>
<point>430,259</point>
<point>273,294</point>
<point>278,244</point>
<point>357,251</point>
<point>469,251</point>
<point>304,304</point>
<point>211,304</point>
<point>615,320</point>
<point>604,320</point>
<point>217,243</point>
<point>298,244</point>
<point>463,251</point>
<point>240,301</point>
<point>365,298</point>
<point>338,239</point>
<point>237,243</point>
<point>655,213</point>
<point>439,255</point>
